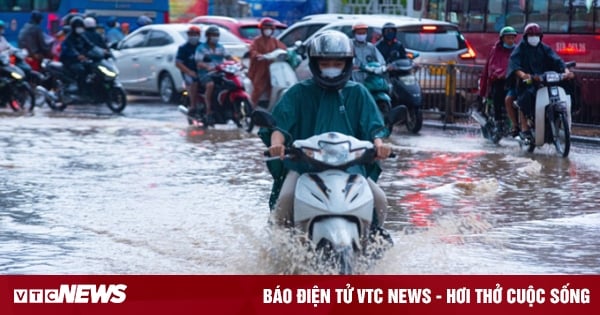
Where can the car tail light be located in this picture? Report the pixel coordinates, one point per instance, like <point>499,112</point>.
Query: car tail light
<point>429,28</point>
<point>470,54</point>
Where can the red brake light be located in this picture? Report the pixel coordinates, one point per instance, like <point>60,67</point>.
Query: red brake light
<point>166,17</point>
<point>470,54</point>
<point>429,28</point>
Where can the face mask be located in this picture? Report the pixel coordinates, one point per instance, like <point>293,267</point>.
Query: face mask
<point>193,39</point>
<point>79,30</point>
<point>533,40</point>
<point>361,38</point>
<point>507,46</point>
<point>268,32</point>
<point>389,36</point>
<point>213,39</point>
<point>331,72</point>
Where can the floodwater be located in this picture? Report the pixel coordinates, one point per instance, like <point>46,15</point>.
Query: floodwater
<point>141,193</point>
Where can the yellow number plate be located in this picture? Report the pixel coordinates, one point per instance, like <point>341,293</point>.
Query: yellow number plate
<point>437,70</point>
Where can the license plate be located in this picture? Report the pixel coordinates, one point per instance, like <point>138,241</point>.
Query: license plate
<point>437,70</point>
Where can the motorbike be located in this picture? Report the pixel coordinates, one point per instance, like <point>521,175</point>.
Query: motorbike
<point>40,83</point>
<point>406,91</point>
<point>230,99</point>
<point>101,83</point>
<point>493,126</point>
<point>15,91</point>
<point>552,120</point>
<point>377,85</point>
<point>333,209</point>
<point>282,73</point>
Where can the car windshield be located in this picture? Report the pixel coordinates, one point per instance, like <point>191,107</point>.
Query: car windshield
<point>251,31</point>
<point>450,40</point>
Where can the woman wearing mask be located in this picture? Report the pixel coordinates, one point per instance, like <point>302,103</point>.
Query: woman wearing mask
<point>492,84</point>
<point>259,68</point>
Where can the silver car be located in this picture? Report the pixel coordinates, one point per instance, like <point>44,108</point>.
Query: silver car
<point>434,42</point>
<point>146,58</point>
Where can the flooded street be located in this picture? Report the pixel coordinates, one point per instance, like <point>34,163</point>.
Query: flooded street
<point>141,193</point>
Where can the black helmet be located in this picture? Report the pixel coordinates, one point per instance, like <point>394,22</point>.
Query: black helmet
<point>36,17</point>
<point>388,31</point>
<point>331,45</point>
<point>212,30</point>
<point>76,22</point>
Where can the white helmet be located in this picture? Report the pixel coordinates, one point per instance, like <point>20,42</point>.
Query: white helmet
<point>89,22</point>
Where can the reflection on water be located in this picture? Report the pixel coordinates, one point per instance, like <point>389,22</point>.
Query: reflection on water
<point>122,194</point>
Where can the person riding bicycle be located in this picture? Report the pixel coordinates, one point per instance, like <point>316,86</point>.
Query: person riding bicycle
<point>530,59</point>
<point>389,43</point>
<point>186,63</point>
<point>208,55</point>
<point>362,51</point>
<point>258,72</point>
<point>328,101</point>
<point>493,84</point>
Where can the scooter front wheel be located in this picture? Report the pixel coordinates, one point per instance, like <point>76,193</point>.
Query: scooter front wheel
<point>414,123</point>
<point>117,99</point>
<point>22,98</point>
<point>561,135</point>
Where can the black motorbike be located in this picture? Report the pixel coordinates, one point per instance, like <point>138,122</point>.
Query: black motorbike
<point>40,84</point>
<point>101,83</point>
<point>14,89</point>
<point>406,91</point>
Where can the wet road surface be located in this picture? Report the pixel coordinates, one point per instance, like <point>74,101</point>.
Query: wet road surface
<point>88,192</point>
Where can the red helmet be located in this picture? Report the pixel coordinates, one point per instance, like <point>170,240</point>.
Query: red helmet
<point>359,26</point>
<point>193,30</point>
<point>533,29</point>
<point>266,22</point>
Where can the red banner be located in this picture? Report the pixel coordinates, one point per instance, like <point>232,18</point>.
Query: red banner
<point>290,295</point>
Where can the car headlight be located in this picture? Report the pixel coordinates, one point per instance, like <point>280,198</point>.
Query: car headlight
<point>107,72</point>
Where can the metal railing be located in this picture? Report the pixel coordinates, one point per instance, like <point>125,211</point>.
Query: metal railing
<point>450,91</point>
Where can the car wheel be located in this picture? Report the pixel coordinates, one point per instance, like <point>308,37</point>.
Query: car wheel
<point>166,88</point>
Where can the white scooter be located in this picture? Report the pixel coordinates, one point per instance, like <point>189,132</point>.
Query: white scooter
<point>282,73</point>
<point>331,206</point>
<point>552,122</point>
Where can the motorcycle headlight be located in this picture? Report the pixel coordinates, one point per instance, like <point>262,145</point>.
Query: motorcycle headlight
<point>333,153</point>
<point>107,72</point>
<point>409,79</point>
<point>552,77</point>
<point>16,75</point>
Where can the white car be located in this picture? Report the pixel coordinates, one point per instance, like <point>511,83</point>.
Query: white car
<point>146,58</point>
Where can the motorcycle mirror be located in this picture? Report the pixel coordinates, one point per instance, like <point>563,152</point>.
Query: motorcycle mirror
<point>263,118</point>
